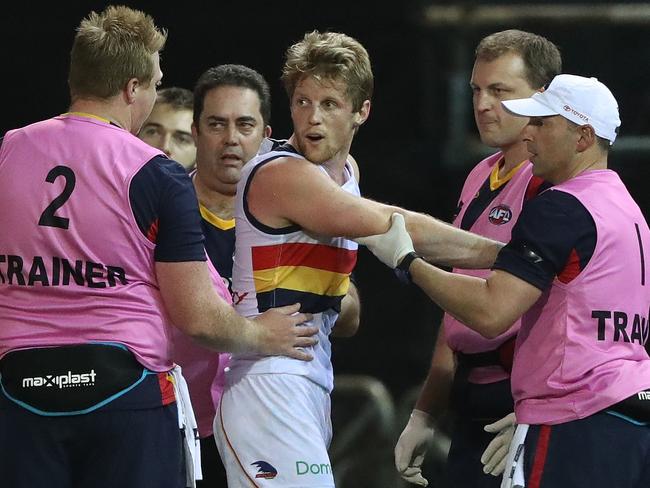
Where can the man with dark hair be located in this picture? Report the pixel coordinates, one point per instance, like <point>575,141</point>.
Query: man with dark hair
<point>232,111</point>
<point>104,256</point>
<point>169,126</point>
<point>509,64</point>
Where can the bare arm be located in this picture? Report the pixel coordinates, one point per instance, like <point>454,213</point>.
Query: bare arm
<point>347,323</point>
<point>294,191</point>
<point>196,309</point>
<point>290,191</point>
<point>434,395</point>
<point>442,243</point>
<point>488,306</point>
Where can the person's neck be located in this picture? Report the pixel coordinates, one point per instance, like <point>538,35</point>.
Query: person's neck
<point>592,159</point>
<point>336,171</point>
<point>218,200</point>
<point>513,156</point>
<point>105,109</point>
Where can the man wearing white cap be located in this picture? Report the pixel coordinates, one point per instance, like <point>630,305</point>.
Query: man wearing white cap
<point>575,271</point>
<point>469,376</point>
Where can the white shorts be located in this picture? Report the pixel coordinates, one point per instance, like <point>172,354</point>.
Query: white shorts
<point>273,430</point>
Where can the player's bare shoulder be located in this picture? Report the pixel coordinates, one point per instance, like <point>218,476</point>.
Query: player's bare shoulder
<point>276,187</point>
<point>288,171</point>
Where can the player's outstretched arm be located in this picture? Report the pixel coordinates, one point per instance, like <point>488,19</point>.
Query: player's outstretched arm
<point>489,306</point>
<point>195,308</point>
<point>442,243</point>
<point>310,199</point>
<point>292,191</point>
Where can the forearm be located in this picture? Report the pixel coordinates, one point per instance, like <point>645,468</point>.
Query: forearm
<point>466,298</point>
<point>434,395</point>
<point>442,243</point>
<point>225,330</point>
<point>195,307</point>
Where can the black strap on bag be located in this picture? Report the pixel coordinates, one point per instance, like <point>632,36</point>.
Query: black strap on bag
<point>501,356</point>
<point>69,380</point>
<point>483,402</point>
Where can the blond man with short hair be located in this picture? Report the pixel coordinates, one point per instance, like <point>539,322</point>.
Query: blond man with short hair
<point>296,208</point>
<point>104,257</point>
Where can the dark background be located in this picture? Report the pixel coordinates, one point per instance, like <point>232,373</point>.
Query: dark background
<point>403,149</point>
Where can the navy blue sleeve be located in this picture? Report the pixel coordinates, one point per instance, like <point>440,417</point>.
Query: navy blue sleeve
<point>165,207</point>
<point>554,236</point>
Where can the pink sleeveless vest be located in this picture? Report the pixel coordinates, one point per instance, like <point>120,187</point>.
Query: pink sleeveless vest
<point>86,272</point>
<point>581,346</point>
<point>496,222</point>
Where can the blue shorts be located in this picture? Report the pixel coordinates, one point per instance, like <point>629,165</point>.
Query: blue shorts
<point>127,444</point>
<point>600,451</point>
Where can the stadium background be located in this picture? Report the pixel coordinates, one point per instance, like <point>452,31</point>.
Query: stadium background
<point>420,140</point>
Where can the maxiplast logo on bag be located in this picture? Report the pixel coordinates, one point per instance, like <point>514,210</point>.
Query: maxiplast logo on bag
<point>67,380</point>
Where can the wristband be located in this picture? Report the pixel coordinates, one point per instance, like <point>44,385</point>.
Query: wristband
<point>402,270</point>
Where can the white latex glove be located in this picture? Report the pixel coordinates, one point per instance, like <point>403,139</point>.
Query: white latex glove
<point>391,246</point>
<point>412,446</point>
<point>494,456</point>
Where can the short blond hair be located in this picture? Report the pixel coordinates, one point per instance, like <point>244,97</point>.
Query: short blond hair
<point>109,49</point>
<point>333,56</point>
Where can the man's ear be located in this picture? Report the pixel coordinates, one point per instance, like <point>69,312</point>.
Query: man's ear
<point>131,89</point>
<point>586,137</point>
<point>195,132</point>
<point>543,88</point>
<point>362,115</point>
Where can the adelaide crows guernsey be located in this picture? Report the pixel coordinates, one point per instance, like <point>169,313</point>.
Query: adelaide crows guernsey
<point>277,267</point>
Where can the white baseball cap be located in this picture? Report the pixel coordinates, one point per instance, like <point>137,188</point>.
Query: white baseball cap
<point>579,99</point>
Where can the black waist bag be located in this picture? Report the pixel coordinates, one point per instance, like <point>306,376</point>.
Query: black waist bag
<point>635,408</point>
<point>69,380</point>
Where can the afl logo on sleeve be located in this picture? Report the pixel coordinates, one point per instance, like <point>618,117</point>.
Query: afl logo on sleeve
<point>499,215</point>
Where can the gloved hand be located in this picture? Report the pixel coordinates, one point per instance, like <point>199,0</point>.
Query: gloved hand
<point>412,447</point>
<point>391,246</point>
<point>494,456</point>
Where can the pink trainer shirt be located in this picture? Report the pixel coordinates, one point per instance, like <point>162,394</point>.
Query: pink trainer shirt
<point>86,272</point>
<point>581,346</point>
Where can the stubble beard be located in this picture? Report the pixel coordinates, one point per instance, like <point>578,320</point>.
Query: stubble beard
<point>316,156</point>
